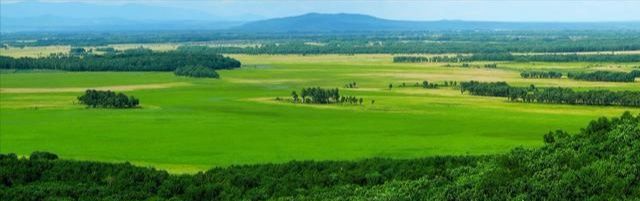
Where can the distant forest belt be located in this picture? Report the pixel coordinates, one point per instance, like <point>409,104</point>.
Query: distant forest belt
<point>521,58</point>
<point>82,89</point>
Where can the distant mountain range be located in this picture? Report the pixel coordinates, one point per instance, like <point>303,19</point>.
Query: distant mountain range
<point>316,22</point>
<point>39,16</point>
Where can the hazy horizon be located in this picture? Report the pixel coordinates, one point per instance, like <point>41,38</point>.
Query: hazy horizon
<point>508,11</point>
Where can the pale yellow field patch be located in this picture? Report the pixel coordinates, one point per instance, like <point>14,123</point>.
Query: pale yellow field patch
<point>263,81</point>
<point>39,51</point>
<point>81,89</point>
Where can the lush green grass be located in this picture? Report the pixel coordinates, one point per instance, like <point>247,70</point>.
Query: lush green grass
<point>51,79</point>
<point>235,120</point>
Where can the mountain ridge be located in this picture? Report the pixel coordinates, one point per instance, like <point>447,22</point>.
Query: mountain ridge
<point>314,22</point>
<point>68,17</point>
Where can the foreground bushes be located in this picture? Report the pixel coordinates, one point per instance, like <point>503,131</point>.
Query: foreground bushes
<point>107,99</point>
<point>598,163</point>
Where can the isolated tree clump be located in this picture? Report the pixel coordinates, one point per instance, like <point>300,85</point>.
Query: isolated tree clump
<point>196,71</point>
<point>107,99</point>
<point>317,95</point>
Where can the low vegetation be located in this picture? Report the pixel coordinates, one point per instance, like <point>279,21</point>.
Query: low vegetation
<point>107,99</point>
<point>598,163</point>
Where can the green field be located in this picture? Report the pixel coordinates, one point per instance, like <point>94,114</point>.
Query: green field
<point>187,124</point>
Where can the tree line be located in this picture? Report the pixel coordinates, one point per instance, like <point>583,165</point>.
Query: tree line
<point>607,76</point>
<point>429,85</point>
<point>107,99</point>
<point>317,95</point>
<point>196,71</point>
<point>599,162</point>
<point>520,58</point>
<point>392,42</point>
<point>139,59</point>
<point>541,74</point>
<point>556,95</point>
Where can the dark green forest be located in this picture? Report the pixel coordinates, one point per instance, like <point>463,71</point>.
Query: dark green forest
<point>557,95</point>
<point>196,71</point>
<point>601,162</point>
<point>139,59</point>
<point>606,76</point>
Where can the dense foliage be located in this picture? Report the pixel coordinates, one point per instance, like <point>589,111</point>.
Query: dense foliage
<point>521,58</point>
<point>607,76</point>
<point>196,71</point>
<point>598,163</point>
<point>556,95</point>
<point>541,74</point>
<point>107,99</point>
<point>317,95</point>
<point>139,59</point>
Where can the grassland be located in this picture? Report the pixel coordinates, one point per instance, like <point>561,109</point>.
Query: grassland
<point>235,120</point>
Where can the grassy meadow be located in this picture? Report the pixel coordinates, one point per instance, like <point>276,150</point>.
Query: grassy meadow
<point>188,124</point>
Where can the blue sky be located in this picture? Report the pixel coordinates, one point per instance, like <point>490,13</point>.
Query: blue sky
<point>480,10</point>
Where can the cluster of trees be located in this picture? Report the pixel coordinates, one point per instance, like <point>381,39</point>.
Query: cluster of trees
<point>431,59</point>
<point>317,95</point>
<point>351,85</point>
<point>556,95</point>
<point>522,58</point>
<point>351,100</point>
<point>427,85</point>
<point>107,99</point>
<point>541,74</point>
<point>600,162</point>
<point>196,71</point>
<point>607,76</point>
<point>139,59</point>
<point>500,89</point>
<point>107,50</point>
<point>77,51</point>
<point>493,65</point>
